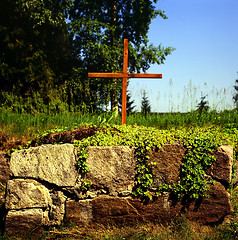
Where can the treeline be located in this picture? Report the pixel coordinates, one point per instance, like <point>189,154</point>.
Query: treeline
<point>47,48</point>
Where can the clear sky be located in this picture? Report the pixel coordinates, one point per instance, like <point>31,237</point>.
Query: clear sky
<point>205,35</point>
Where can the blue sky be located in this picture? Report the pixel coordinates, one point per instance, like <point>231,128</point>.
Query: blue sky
<point>205,35</point>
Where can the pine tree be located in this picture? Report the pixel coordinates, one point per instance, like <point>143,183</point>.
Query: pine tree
<point>145,104</point>
<point>129,103</point>
<point>203,105</point>
<point>236,94</point>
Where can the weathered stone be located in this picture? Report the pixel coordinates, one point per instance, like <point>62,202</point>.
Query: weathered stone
<point>116,210</point>
<point>78,212</point>
<point>212,209</point>
<point>52,163</point>
<point>112,168</point>
<point>27,193</point>
<point>112,172</point>
<point>160,210</point>
<point>221,169</point>
<point>57,208</point>
<point>168,163</point>
<point>4,176</point>
<point>26,222</point>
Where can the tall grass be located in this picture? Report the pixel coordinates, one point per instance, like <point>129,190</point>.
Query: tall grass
<point>168,120</point>
<point>26,125</point>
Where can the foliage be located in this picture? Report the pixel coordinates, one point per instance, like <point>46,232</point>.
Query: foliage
<point>199,142</point>
<point>198,158</point>
<point>236,94</point>
<point>202,105</point>
<point>35,55</point>
<point>99,28</point>
<point>145,104</point>
<point>48,47</point>
<point>180,228</point>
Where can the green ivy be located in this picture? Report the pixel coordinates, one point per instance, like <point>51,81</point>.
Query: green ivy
<point>194,182</point>
<point>199,142</point>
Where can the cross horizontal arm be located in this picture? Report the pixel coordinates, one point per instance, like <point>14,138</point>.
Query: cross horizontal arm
<point>125,75</point>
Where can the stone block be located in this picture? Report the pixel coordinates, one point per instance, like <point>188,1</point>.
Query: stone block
<point>79,212</point>
<point>52,163</point>
<point>112,168</point>
<point>4,176</point>
<point>168,164</point>
<point>221,169</point>
<point>26,223</point>
<point>22,194</point>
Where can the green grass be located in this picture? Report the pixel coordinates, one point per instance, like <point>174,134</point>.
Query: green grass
<point>26,125</point>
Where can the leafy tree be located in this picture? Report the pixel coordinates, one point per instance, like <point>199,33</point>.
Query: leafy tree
<point>99,27</point>
<point>203,105</point>
<point>236,94</point>
<point>129,103</point>
<point>35,52</point>
<point>145,104</point>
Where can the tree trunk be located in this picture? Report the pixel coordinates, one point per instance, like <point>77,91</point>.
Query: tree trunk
<point>114,97</point>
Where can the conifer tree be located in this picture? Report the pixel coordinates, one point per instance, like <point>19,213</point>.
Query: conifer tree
<point>129,103</point>
<point>145,104</point>
<point>236,94</point>
<point>203,105</point>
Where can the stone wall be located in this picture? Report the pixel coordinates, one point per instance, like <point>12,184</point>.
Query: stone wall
<point>41,187</point>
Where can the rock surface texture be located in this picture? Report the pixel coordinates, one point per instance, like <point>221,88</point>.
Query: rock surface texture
<point>45,188</point>
<point>51,163</point>
<point>4,176</point>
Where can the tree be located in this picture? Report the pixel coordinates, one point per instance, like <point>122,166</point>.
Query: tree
<point>203,105</point>
<point>129,103</point>
<point>99,27</point>
<point>236,94</point>
<point>145,104</point>
<point>35,52</point>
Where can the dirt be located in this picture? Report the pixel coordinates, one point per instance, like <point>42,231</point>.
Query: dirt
<point>8,142</point>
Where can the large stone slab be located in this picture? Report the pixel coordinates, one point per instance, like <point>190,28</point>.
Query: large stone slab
<point>213,209</point>
<point>52,163</point>
<point>4,175</point>
<point>112,168</point>
<point>168,164</point>
<point>22,194</point>
<point>125,210</point>
<point>221,169</point>
<point>27,223</point>
<point>79,212</point>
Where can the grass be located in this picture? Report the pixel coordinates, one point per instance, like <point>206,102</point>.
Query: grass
<point>27,125</point>
<point>181,229</point>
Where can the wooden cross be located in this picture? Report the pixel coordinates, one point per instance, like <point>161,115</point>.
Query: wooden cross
<point>124,76</point>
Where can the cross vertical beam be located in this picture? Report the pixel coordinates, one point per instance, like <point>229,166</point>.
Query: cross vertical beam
<point>124,82</point>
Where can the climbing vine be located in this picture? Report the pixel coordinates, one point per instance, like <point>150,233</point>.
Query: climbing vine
<point>194,182</point>
<point>200,145</point>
